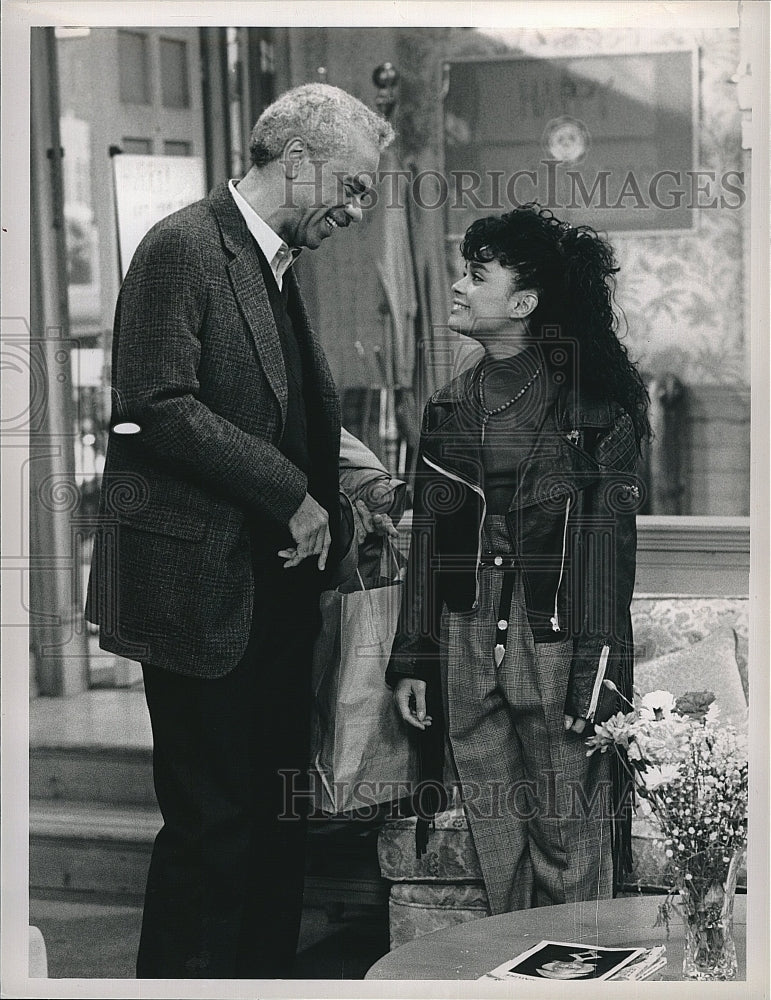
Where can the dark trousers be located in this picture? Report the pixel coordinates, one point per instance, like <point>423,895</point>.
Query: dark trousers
<point>224,890</point>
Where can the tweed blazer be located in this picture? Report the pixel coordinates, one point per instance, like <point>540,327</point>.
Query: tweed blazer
<point>197,365</point>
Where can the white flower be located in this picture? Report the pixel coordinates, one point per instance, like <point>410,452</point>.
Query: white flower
<point>644,809</point>
<point>663,774</point>
<point>691,773</point>
<point>616,729</point>
<point>657,705</point>
<point>712,713</point>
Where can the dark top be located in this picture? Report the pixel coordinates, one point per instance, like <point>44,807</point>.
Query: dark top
<point>297,438</point>
<point>509,436</point>
<point>294,440</point>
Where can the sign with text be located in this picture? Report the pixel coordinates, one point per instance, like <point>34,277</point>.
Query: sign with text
<point>148,188</point>
<point>607,140</point>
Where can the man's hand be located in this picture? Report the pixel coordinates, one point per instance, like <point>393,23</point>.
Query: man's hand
<point>309,526</point>
<point>576,723</point>
<point>367,523</point>
<point>410,698</point>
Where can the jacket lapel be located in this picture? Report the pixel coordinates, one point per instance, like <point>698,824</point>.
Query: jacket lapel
<point>453,441</point>
<point>556,465</point>
<point>250,292</point>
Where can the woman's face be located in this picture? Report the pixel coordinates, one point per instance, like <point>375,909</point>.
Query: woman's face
<point>482,301</point>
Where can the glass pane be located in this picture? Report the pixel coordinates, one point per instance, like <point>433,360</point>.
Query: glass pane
<point>132,68</point>
<point>139,147</point>
<point>175,92</point>
<point>171,148</point>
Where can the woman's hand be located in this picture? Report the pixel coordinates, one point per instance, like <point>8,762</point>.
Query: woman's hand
<point>576,723</point>
<point>410,698</point>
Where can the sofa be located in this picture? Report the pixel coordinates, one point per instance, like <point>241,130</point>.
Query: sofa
<point>683,643</point>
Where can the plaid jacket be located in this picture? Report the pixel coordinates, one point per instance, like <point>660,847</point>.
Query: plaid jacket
<point>197,365</point>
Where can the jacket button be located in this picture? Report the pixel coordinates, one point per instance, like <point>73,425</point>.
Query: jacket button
<point>502,625</point>
<point>498,560</point>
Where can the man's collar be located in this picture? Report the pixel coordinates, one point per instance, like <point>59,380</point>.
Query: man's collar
<point>268,239</point>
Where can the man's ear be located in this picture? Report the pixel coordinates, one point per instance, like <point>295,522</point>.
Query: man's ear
<point>294,154</point>
<point>522,303</point>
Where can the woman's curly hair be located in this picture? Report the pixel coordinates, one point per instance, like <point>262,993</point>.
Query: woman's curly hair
<point>572,268</point>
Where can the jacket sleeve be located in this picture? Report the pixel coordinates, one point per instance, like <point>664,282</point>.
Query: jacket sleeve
<point>605,575</point>
<point>348,560</point>
<point>415,651</point>
<point>161,311</point>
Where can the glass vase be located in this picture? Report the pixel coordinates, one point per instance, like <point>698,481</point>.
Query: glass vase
<point>707,909</point>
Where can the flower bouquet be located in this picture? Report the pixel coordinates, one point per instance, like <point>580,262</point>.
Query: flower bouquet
<point>690,772</point>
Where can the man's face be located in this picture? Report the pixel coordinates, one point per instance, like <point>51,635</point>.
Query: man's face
<point>323,195</point>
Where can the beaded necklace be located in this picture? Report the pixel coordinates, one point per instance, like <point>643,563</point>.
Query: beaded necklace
<point>486,412</point>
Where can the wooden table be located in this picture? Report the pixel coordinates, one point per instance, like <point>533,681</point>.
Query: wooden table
<point>468,951</point>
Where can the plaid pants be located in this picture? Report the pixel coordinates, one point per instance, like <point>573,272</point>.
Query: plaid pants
<point>537,806</point>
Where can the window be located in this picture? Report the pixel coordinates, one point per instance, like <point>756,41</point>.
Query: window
<point>174,148</point>
<point>139,147</point>
<point>133,74</point>
<point>175,91</point>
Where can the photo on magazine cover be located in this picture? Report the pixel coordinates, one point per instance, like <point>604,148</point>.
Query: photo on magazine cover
<point>560,960</point>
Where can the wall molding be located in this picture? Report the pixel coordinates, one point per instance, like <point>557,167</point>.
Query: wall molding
<point>694,534</point>
<point>703,556</point>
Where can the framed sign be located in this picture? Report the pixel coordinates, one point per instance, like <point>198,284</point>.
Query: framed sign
<point>608,140</point>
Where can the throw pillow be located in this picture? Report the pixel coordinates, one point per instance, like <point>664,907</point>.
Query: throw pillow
<point>707,665</point>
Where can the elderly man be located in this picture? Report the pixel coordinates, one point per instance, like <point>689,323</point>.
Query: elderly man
<point>221,523</point>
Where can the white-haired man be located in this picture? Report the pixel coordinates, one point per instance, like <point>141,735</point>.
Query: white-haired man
<point>222,523</point>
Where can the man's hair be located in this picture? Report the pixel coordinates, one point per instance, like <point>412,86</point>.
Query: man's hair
<point>322,115</point>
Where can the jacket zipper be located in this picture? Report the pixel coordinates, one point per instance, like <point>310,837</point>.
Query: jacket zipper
<point>599,678</point>
<point>555,621</point>
<point>480,492</point>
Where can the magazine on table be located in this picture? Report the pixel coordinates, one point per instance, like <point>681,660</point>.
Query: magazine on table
<point>564,960</point>
<point>645,966</point>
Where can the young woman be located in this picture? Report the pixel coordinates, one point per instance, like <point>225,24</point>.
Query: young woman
<point>515,634</point>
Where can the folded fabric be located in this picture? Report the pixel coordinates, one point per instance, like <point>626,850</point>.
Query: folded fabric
<point>364,477</point>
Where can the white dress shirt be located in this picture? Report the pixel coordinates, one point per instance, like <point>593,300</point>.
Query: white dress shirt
<point>277,253</point>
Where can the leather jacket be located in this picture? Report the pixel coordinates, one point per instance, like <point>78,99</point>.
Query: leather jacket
<point>572,527</point>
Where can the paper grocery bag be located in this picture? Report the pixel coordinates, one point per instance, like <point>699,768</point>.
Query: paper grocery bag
<point>362,753</point>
